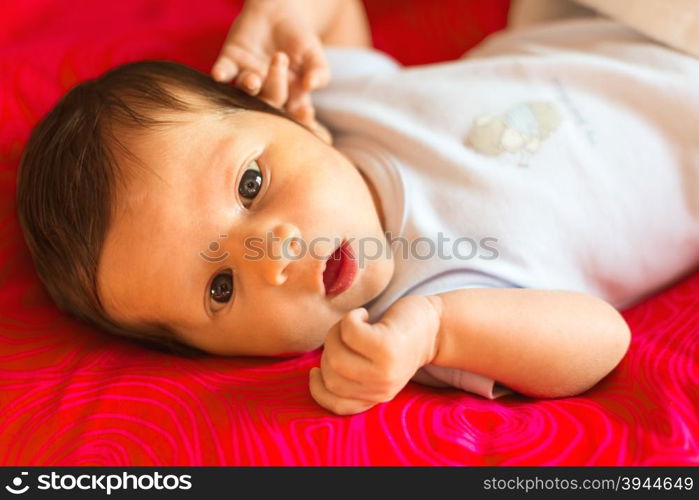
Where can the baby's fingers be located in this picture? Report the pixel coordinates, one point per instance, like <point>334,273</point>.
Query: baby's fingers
<point>224,70</point>
<point>316,70</point>
<point>275,89</point>
<point>300,106</point>
<point>237,65</point>
<point>359,335</point>
<point>249,81</point>
<point>332,402</point>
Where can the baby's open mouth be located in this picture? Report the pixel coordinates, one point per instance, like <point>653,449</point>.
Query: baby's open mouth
<point>340,270</point>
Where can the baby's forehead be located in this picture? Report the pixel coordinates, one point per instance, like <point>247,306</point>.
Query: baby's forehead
<point>153,158</point>
<point>170,130</point>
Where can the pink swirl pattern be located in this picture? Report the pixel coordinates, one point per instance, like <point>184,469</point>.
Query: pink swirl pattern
<point>69,395</point>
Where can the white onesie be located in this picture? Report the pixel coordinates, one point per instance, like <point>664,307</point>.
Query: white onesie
<point>558,156</point>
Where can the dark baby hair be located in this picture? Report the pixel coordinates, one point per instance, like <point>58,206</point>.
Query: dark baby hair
<point>68,176</point>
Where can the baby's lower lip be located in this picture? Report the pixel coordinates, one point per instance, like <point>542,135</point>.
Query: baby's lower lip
<point>340,270</point>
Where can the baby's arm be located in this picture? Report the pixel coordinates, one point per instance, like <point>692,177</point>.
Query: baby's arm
<point>541,343</point>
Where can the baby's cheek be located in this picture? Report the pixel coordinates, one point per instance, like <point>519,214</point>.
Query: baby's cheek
<point>286,324</point>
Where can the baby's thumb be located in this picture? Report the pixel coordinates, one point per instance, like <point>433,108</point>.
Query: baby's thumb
<point>224,70</point>
<point>359,315</point>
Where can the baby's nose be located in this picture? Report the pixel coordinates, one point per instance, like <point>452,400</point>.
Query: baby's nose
<point>283,247</point>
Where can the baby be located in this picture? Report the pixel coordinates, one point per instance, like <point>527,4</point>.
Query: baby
<point>474,224</point>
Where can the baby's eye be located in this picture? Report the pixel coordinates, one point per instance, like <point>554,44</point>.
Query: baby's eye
<point>221,289</point>
<point>250,184</point>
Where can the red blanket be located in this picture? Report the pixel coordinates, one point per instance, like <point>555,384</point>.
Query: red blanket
<point>70,395</point>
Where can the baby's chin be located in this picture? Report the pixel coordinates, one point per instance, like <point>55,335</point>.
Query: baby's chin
<point>293,354</point>
<point>290,348</point>
<point>302,347</point>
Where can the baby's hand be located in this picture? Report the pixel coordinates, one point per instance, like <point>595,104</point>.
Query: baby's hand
<point>364,364</point>
<point>262,30</point>
<point>275,92</point>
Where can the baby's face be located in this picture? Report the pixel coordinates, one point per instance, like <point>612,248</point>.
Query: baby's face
<point>197,245</point>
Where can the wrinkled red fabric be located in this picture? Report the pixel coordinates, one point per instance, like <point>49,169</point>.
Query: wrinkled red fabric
<point>71,395</point>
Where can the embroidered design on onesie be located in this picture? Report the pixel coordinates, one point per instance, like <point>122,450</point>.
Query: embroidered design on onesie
<point>521,129</point>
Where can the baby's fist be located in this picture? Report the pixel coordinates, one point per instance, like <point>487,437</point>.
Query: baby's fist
<point>365,364</point>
